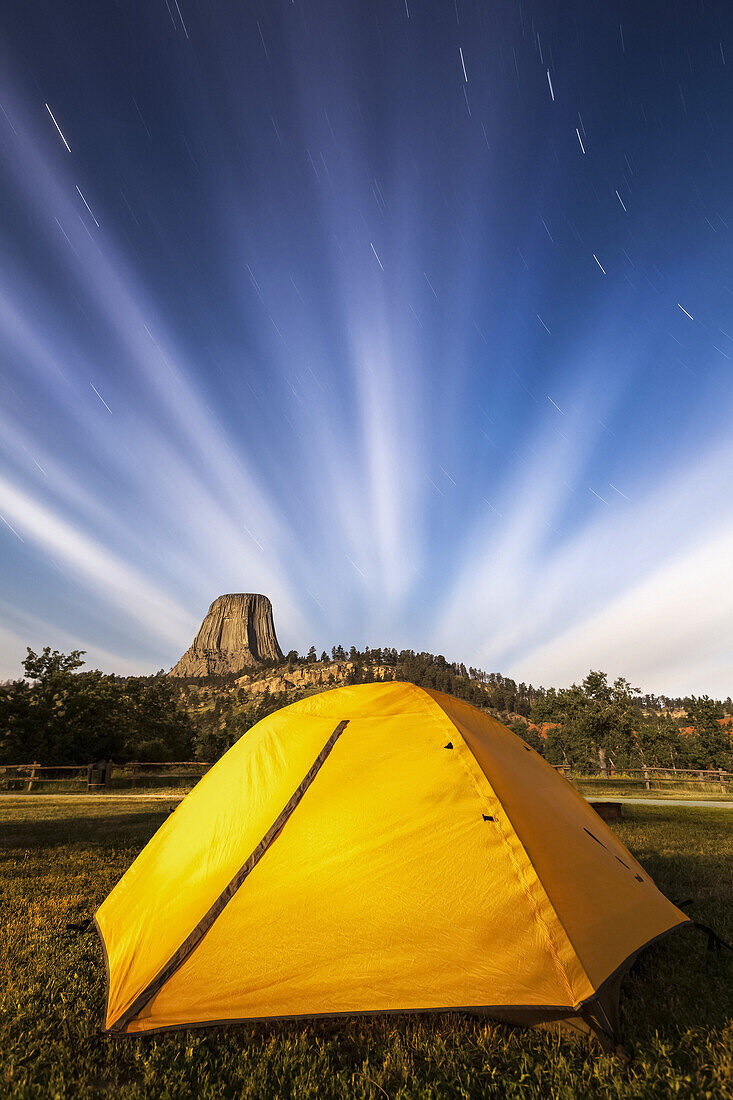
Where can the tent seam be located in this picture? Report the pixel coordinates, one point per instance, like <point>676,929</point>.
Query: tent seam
<point>194,938</point>
<point>561,968</point>
<point>525,885</point>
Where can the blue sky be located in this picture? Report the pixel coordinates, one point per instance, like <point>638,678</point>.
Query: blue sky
<point>416,317</point>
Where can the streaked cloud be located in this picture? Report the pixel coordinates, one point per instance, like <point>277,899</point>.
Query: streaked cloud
<point>339,324</point>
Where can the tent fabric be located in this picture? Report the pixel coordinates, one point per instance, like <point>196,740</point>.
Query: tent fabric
<point>377,848</point>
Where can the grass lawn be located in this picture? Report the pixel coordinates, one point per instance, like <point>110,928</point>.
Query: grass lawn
<point>58,861</point>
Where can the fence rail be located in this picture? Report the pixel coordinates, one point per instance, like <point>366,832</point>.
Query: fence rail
<point>657,776</point>
<point>104,775</point>
<point>100,775</point>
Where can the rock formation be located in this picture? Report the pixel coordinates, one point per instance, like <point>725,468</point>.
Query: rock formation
<point>237,632</point>
<point>302,677</point>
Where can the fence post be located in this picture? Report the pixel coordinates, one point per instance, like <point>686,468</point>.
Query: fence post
<point>133,774</point>
<point>108,773</point>
<point>647,784</point>
<point>32,776</point>
<point>721,774</point>
<point>89,776</point>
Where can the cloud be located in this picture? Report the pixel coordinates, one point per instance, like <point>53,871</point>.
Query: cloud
<point>100,569</point>
<point>343,305</point>
<point>30,631</point>
<point>672,633</point>
<point>522,591</point>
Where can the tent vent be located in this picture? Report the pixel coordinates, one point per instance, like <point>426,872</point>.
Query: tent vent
<point>487,817</point>
<point>595,838</point>
<point>449,745</point>
<point>638,878</point>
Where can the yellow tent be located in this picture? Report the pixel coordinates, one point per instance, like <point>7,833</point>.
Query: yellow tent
<point>378,848</point>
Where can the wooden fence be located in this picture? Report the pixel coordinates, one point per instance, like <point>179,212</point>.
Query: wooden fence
<point>654,777</point>
<point>103,775</point>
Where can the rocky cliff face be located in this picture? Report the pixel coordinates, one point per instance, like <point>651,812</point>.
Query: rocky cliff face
<point>237,632</point>
<point>303,677</point>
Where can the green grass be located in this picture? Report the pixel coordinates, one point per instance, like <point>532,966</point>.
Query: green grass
<point>59,860</point>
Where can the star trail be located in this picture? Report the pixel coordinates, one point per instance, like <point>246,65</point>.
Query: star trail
<point>416,318</point>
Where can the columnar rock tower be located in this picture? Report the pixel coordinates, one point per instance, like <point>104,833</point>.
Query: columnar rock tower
<point>238,631</point>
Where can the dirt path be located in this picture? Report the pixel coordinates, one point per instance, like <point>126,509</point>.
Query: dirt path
<point>662,801</point>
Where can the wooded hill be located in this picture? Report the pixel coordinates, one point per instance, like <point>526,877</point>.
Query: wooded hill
<point>61,714</point>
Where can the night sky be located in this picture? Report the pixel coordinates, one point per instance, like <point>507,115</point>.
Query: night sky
<point>415,316</point>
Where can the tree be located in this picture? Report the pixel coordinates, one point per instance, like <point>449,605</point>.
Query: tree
<point>312,656</point>
<point>595,720</point>
<point>154,723</point>
<point>59,715</point>
<point>713,748</point>
<point>41,667</point>
<point>658,741</point>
